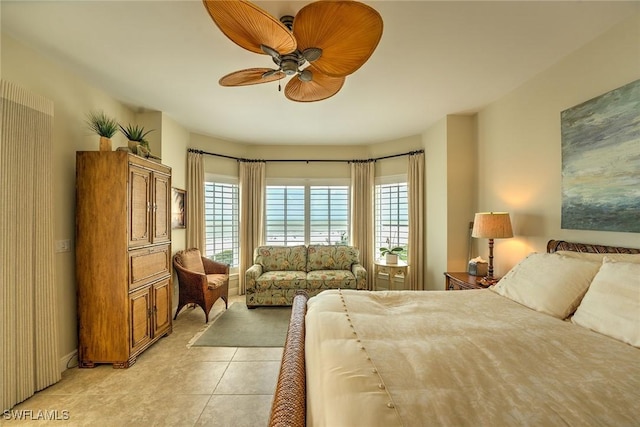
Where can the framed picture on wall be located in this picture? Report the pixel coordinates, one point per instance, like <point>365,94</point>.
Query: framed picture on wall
<point>178,208</point>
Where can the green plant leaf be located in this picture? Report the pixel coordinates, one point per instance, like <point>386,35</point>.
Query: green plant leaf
<point>135,132</point>
<point>102,124</point>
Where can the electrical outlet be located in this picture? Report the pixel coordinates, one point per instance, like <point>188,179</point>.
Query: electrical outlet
<point>63,245</point>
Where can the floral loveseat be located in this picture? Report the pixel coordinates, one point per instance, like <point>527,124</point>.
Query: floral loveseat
<point>279,271</point>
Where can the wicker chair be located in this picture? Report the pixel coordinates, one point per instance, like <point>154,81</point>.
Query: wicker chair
<point>202,281</point>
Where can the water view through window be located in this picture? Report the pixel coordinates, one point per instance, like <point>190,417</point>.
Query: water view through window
<point>299,215</point>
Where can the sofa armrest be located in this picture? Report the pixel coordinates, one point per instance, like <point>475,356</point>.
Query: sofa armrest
<point>361,276</point>
<point>251,275</point>
<point>214,267</point>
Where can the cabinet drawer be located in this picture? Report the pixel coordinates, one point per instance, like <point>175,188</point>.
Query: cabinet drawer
<point>148,264</point>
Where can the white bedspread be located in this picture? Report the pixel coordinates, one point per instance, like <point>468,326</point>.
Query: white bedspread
<point>465,358</point>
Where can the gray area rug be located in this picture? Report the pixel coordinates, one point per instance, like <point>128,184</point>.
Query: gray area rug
<point>240,327</point>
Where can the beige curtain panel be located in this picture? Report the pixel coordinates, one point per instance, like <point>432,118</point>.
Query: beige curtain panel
<point>195,201</point>
<point>252,189</point>
<point>362,214</point>
<point>28,315</point>
<point>415,187</point>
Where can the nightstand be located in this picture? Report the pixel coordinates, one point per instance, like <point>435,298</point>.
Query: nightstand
<point>393,270</point>
<point>462,281</point>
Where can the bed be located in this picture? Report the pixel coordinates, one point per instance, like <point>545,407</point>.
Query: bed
<point>503,356</point>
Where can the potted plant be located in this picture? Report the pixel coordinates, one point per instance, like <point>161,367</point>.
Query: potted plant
<point>391,254</point>
<point>104,126</point>
<point>135,134</point>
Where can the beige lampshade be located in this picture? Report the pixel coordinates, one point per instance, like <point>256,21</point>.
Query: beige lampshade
<point>492,225</point>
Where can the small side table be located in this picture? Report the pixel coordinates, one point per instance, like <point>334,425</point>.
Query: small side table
<point>462,281</point>
<point>393,270</point>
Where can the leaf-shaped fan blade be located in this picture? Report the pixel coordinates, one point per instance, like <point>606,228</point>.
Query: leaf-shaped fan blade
<point>249,26</point>
<point>250,76</point>
<point>320,87</point>
<point>347,32</point>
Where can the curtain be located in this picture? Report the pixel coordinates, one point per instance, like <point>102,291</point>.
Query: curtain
<point>28,314</point>
<point>195,201</point>
<point>362,214</point>
<point>415,188</point>
<point>252,188</point>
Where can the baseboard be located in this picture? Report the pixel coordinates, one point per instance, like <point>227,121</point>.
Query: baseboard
<point>69,361</point>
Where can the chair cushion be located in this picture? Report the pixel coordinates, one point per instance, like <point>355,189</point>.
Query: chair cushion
<point>214,281</point>
<point>192,260</point>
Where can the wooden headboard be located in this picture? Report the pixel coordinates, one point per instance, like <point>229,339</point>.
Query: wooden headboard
<point>561,245</point>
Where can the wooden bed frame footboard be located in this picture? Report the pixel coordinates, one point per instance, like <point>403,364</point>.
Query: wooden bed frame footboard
<point>289,406</point>
<point>290,399</point>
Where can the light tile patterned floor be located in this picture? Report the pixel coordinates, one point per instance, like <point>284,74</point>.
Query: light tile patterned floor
<point>169,385</point>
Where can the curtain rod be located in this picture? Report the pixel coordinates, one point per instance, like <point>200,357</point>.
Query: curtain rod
<point>240,159</point>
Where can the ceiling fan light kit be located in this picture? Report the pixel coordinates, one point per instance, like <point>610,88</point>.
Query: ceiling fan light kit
<point>325,42</point>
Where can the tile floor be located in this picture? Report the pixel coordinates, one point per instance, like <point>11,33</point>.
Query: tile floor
<point>169,385</point>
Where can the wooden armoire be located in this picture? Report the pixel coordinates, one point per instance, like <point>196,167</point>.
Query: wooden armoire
<point>123,256</point>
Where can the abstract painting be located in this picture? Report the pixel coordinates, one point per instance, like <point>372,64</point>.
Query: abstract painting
<point>601,162</point>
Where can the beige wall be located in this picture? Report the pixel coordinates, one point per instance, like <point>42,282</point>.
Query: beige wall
<point>450,182</point>
<point>519,157</point>
<point>285,170</point>
<point>175,139</point>
<point>435,143</point>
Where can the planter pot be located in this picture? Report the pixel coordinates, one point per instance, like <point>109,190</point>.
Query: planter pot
<point>133,146</point>
<point>105,144</point>
<point>391,258</point>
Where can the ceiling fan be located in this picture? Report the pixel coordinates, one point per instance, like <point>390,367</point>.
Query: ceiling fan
<point>325,42</point>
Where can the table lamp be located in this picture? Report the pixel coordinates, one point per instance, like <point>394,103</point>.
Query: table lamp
<point>491,225</point>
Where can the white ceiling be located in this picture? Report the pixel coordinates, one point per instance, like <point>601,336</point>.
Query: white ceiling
<point>434,59</point>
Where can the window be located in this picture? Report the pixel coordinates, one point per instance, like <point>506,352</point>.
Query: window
<point>329,215</point>
<point>311,214</point>
<point>285,215</point>
<point>221,216</point>
<point>392,217</point>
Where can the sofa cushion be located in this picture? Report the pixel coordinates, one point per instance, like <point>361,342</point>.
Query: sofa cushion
<point>281,258</point>
<point>191,259</point>
<point>324,257</point>
<point>331,279</point>
<point>281,280</point>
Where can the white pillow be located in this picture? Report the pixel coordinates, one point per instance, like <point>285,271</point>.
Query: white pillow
<point>598,257</point>
<point>611,306</point>
<point>548,283</point>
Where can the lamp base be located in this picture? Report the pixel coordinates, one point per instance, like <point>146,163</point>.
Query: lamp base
<point>488,281</point>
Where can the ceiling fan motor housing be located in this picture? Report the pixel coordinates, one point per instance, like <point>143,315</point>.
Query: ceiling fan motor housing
<point>287,20</point>
<point>290,63</point>
<point>289,67</point>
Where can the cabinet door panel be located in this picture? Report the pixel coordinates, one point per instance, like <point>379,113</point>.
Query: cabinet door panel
<point>140,311</point>
<point>161,306</point>
<point>148,264</point>
<point>161,208</point>
<point>139,206</point>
